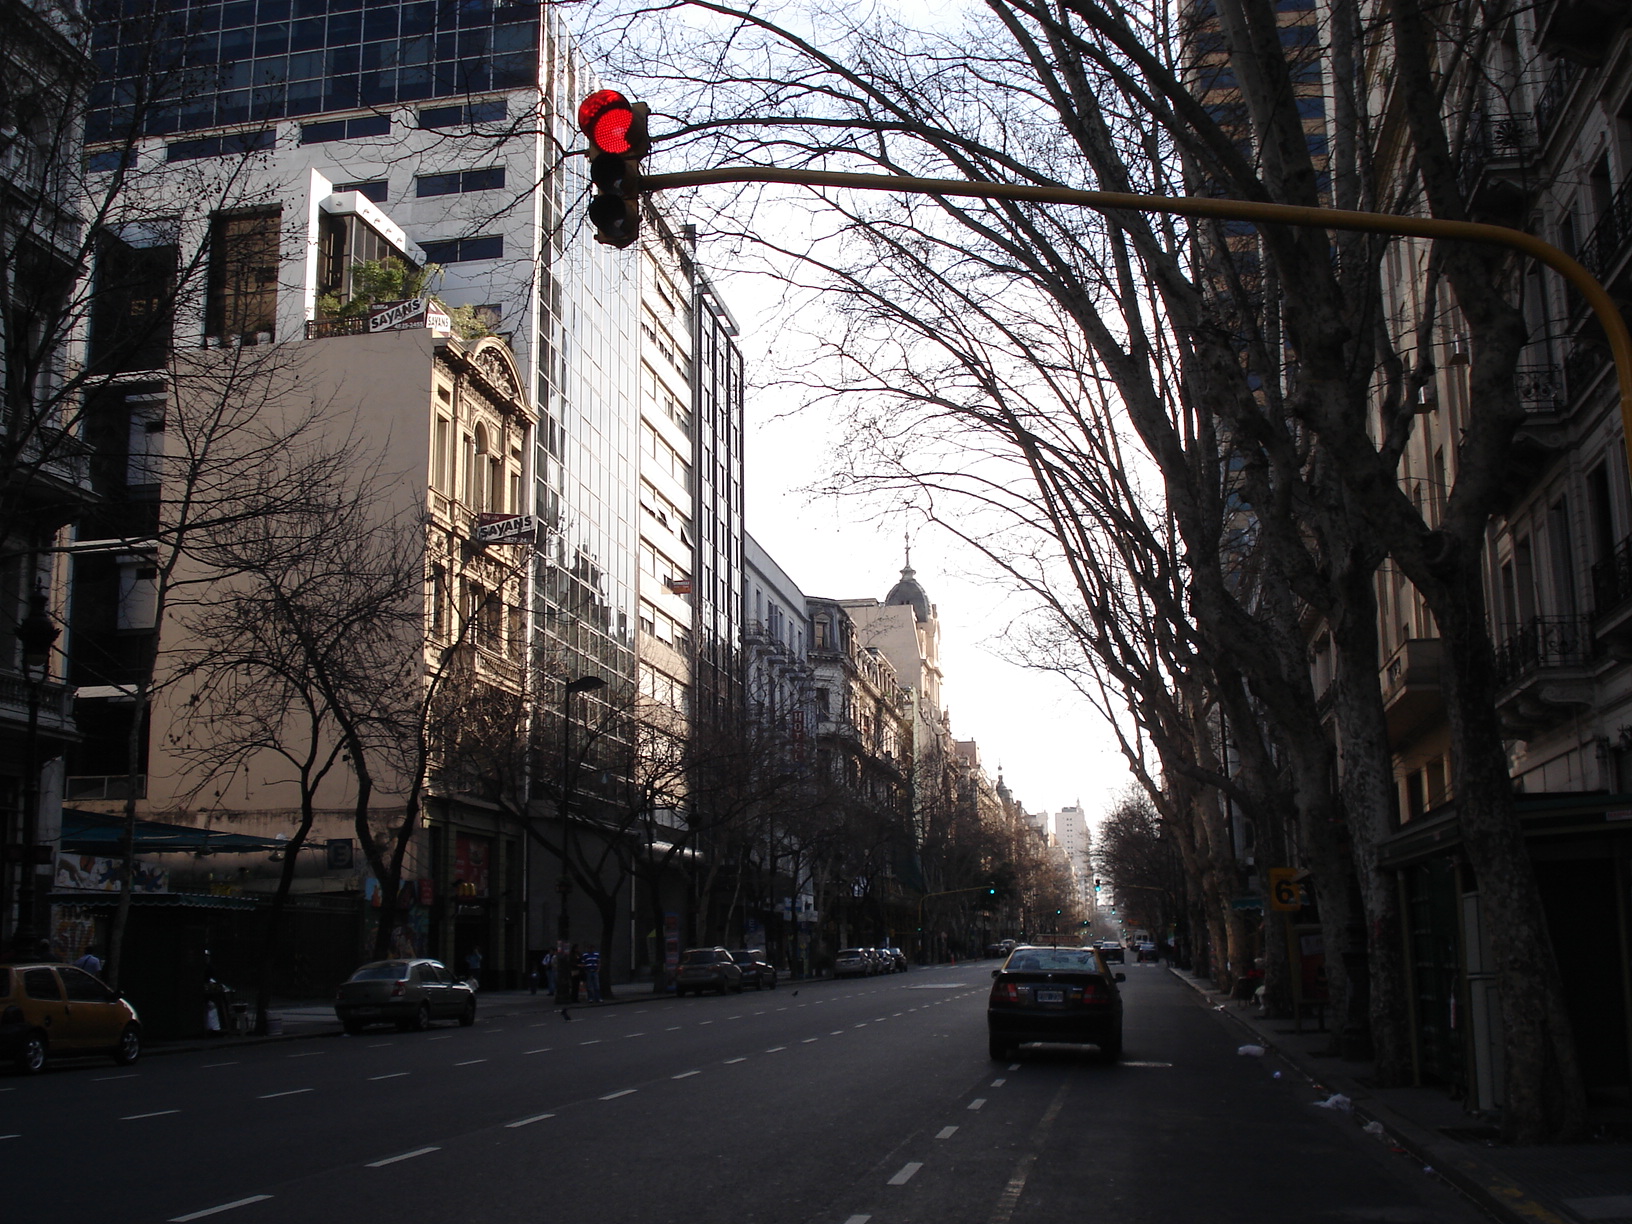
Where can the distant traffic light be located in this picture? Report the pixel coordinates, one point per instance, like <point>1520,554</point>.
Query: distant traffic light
<point>616,128</point>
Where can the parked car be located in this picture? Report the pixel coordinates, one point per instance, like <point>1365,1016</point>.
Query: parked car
<point>1112,951</point>
<point>410,993</point>
<point>1146,952</point>
<point>755,968</point>
<point>47,1011</point>
<point>1054,994</point>
<point>898,960</point>
<point>852,962</point>
<point>703,969</point>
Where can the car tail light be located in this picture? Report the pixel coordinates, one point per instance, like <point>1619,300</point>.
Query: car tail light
<point>398,989</point>
<point>1093,993</point>
<point>1005,992</point>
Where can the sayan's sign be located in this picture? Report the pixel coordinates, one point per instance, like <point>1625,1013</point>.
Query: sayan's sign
<point>507,529</point>
<point>412,313</point>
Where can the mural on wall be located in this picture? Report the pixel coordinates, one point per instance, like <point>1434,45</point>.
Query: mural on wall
<point>88,873</point>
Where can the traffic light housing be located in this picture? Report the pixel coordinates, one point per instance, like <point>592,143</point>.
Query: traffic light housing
<point>616,129</point>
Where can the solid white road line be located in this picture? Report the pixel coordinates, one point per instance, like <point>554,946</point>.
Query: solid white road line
<point>906,1172</point>
<point>390,1160</point>
<point>157,1113</point>
<point>977,1102</point>
<point>527,1121</point>
<point>612,1096</point>
<point>209,1211</point>
<point>292,1092</point>
<point>393,1075</point>
<point>946,1132</point>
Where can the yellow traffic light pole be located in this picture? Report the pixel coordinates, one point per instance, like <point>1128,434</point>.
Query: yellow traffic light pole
<point>1603,306</point>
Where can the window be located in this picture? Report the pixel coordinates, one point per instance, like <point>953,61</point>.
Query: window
<point>458,116</point>
<point>345,129</point>
<point>138,596</point>
<point>464,250</point>
<point>457,181</point>
<point>144,458</point>
<point>243,275</point>
<point>132,311</point>
<point>439,598</point>
<point>220,146</point>
<point>375,189</point>
<point>821,640</point>
<point>441,455</point>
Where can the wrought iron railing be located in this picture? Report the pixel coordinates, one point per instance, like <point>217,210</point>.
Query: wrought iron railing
<point>1554,94</point>
<point>1541,387</point>
<point>1545,642</point>
<point>1607,243</point>
<point>322,329</point>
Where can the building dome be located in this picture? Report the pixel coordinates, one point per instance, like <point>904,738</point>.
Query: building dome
<point>908,594</point>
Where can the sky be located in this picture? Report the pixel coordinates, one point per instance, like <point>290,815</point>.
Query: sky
<point>1051,746</point>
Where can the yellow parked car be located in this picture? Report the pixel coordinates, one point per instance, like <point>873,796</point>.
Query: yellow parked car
<point>47,1011</point>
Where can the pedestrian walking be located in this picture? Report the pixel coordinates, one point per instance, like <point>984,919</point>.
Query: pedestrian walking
<point>592,973</point>
<point>547,964</point>
<point>473,967</point>
<point>90,962</point>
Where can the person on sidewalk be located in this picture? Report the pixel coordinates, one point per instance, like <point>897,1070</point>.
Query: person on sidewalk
<point>473,967</point>
<point>546,964</point>
<point>592,973</point>
<point>575,972</point>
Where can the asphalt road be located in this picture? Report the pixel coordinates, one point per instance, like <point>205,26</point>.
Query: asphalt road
<point>865,1102</point>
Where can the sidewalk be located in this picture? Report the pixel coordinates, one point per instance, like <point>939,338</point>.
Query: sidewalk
<point>1559,1184</point>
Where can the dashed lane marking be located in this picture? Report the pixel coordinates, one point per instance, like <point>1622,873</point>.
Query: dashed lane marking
<point>977,1103</point>
<point>729,1061</point>
<point>391,1160</point>
<point>775,1049</point>
<point>1014,1066</point>
<point>102,1079</point>
<point>307,1054</point>
<point>904,1174</point>
<point>392,1075</point>
<point>527,1121</point>
<point>685,1075</point>
<point>208,1066</point>
<point>290,1092</point>
<point>209,1211</point>
<point>157,1113</point>
<point>622,1092</point>
<point>999,1082</point>
<point>946,1132</point>
<point>544,1050</point>
<point>596,1041</point>
<point>858,1219</point>
<point>470,1063</point>
<point>808,1040</point>
<point>626,1036</point>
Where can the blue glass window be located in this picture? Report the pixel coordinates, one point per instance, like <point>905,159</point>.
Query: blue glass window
<point>459,181</point>
<point>374,189</point>
<point>464,250</point>
<point>218,146</point>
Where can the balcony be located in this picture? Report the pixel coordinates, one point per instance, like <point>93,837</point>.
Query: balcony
<point>1612,600</point>
<point>1581,30</point>
<point>51,475</point>
<point>1544,670</point>
<point>1497,155</point>
<point>1554,94</point>
<point>1411,688</point>
<point>1605,249</point>
<point>55,711</point>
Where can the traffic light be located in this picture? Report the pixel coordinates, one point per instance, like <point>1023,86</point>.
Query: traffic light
<point>990,891</point>
<point>616,128</point>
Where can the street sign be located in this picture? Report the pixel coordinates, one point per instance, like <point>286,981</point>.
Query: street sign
<point>409,313</point>
<point>507,529</point>
<point>1284,893</point>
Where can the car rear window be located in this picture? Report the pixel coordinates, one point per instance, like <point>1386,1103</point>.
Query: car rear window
<point>852,952</point>
<point>699,956</point>
<point>1054,960</point>
<point>385,971</point>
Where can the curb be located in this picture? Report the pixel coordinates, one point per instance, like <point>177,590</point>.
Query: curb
<point>1490,1190</point>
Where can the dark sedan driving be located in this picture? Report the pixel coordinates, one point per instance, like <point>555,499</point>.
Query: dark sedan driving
<point>1058,995</point>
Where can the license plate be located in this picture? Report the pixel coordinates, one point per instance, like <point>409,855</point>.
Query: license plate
<point>1051,996</point>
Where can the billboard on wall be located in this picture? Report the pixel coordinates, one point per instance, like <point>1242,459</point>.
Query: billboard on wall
<point>408,313</point>
<point>506,528</point>
<point>472,861</point>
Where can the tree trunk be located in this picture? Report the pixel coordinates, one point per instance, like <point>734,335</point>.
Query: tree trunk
<point>1544,1100</point>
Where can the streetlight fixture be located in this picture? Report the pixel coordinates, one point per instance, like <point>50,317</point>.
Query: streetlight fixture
<point>37,633</point>
<point>569,776</point>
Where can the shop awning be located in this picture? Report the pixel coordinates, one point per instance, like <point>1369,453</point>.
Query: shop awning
<point>157,900</point>
<point>99,834</point>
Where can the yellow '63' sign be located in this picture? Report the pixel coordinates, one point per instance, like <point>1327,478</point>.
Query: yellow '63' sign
<point>1284,893</point>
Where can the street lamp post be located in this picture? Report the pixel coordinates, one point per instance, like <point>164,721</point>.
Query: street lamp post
<point>37,634</point>
<point>569,774</point>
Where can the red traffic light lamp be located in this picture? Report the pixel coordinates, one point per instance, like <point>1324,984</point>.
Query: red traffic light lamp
<point>616,128</point>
